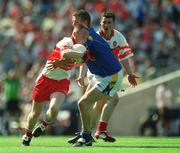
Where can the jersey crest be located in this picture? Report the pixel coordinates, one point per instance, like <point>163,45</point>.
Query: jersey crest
<point>114,43</point>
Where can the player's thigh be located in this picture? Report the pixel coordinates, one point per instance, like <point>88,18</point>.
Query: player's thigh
<point>56,100</point>
<point>114,100</point>
<point>92,95</point>
<point>100,104</point>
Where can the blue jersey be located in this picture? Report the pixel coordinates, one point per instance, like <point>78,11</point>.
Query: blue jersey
<point>105,62</point>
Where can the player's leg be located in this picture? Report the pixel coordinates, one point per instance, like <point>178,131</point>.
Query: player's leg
<point>107,111</point>
<point>86,108</point>
<point>78,134</point>
<point>56,92</point>
<point>115,83</point>
<point>31,121</point>
<point>97,109</point>
<point>56,99</point>
<point>109,108</point>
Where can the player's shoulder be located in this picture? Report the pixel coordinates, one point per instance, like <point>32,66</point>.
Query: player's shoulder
<point>118,33</point>
<point>65,41</point>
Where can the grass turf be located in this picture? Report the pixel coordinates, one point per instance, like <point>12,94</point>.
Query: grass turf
<point>58,144</point>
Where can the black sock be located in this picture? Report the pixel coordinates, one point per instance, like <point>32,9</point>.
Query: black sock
<point>86,135</point>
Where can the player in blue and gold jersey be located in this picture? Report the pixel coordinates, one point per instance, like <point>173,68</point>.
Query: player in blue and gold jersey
<point>106,72</point>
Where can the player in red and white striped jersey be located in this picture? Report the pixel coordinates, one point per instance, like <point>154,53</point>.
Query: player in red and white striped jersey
<point>53,83</point>
<point>123,52</point>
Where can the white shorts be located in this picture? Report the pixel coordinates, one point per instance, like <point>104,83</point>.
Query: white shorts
<point>109,85</point>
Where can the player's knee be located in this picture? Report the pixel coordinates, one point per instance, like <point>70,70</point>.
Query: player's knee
<point>53,111</point>
<point>85,101</point>
<point>114,103</point>
<point>115,100</point>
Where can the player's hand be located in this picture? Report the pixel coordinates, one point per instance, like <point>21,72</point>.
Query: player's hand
<point>81,82</point>
<point>63,64</point>
<point>50,66</point>
<point>66,64</point>
<point>132,80</point>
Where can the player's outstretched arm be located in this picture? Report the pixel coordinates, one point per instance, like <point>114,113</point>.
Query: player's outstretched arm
<point>131,76</point>
<point>63,64</point>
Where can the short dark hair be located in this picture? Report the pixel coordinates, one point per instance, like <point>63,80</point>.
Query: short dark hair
<point>83,15</point>
<point>108,14</point>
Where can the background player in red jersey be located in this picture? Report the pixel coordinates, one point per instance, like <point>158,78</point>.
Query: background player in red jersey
<point>123,52</point>
<point>53,83</point>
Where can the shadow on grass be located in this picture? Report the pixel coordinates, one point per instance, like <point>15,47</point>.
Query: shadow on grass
<point>49,146</point>
<point>113,146</point>
<point>139,146</point>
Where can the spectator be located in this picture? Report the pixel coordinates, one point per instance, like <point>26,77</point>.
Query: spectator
<point>163,102</point>
<point>12,96</point>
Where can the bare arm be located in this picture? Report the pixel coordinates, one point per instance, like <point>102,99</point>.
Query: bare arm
<point>63,64</point>
<point>131,76</point>
<point>67,60</point>
<point>70,53</point>
<point>82,74</point>
<point>127,66</point>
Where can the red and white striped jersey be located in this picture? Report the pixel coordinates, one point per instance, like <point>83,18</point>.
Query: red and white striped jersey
<point>58,73</point>
<point>118,44</point>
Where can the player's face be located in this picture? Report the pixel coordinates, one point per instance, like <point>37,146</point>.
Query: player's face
<point>81,36</point>
<point>107,24</point>
<point>76,21</point>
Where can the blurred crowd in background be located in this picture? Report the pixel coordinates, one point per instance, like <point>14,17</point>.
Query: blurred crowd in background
<point>29,30</point>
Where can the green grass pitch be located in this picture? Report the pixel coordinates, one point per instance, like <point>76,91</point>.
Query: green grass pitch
<point>58,144</point>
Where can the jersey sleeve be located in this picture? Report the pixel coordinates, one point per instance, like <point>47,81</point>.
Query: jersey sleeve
<point>123,50</point>
<point>65,43</point>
